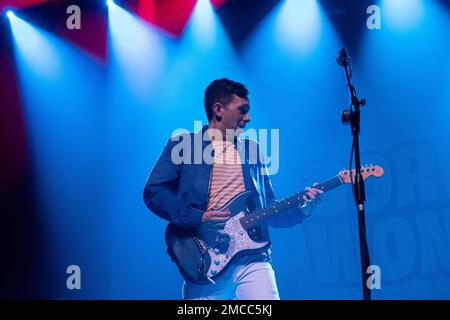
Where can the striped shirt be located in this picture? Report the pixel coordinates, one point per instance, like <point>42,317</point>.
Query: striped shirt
<point>226,180</point>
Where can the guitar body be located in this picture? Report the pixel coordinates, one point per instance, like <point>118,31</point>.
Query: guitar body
<point>202,257</point>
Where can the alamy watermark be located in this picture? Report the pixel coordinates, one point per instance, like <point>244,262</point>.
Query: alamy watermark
<point>374,280</point>
<point>74,280</point>
<point>251,145</point>
<point>373,22</point>
<point>74,20</point>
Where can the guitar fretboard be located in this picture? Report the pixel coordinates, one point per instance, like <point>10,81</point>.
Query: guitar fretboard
<point>254,218</point>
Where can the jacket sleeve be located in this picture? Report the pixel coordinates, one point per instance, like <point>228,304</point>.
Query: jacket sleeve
<point>161,192</point>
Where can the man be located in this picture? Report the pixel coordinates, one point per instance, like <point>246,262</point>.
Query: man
<point>189,194</point>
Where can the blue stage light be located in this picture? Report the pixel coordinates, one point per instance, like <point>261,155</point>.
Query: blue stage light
<point>403,15</point>
<point>10,14</point>
<point>298,25</point>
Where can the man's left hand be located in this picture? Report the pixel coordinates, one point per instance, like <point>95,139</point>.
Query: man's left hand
<point>312,197</point>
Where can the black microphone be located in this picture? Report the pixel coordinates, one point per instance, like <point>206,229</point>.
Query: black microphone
<point>343,58</point>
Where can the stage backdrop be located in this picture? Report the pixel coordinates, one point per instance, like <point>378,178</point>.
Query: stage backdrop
<point>88,111</point>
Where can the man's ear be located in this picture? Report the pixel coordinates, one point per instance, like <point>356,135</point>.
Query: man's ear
<point>218,111</point>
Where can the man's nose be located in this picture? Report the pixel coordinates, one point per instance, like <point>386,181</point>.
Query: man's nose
<point>247,117</point>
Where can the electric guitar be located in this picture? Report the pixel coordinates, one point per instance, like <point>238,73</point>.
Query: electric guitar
<point>201,256</point>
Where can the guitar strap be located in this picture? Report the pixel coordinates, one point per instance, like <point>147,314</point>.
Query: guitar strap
<point>257,175</point>
<point>257,169</point>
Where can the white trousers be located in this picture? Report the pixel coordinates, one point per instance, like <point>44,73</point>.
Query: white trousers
<point>247,278</point>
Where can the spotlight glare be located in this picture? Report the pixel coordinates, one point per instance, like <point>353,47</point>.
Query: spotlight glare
<point>9,14</point>
<point>109,3</point>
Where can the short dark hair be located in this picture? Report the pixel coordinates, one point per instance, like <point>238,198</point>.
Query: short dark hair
<point>222,90</point>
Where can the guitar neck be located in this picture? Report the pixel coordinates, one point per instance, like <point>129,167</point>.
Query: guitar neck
<point>254,218</point>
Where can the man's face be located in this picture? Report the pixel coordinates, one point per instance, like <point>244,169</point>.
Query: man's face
<point>236,114</point>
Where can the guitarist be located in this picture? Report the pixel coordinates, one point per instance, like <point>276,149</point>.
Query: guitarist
<point>189,194</point>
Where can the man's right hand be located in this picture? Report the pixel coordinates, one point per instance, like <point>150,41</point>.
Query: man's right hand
<point>215,219</point>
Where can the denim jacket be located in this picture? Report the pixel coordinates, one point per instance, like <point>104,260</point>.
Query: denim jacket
<point>178,192</point>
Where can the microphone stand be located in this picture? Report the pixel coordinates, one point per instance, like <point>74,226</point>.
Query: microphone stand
<point>352,117</point>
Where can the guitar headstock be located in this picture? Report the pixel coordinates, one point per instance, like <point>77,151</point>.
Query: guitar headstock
<point>366,171</point>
